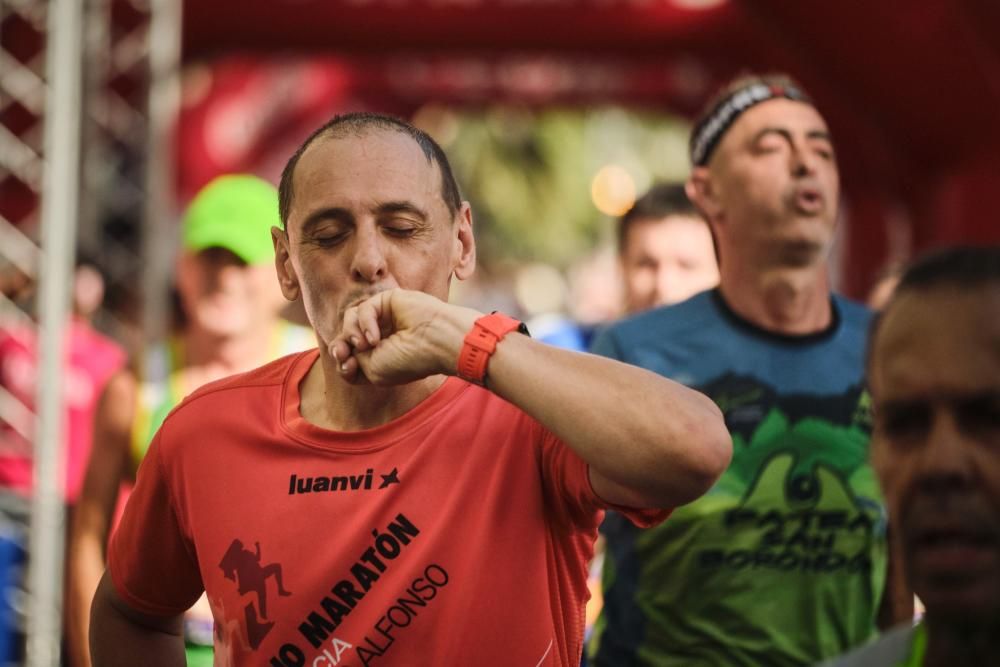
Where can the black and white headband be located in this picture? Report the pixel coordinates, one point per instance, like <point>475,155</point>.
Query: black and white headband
<point>709,132</point>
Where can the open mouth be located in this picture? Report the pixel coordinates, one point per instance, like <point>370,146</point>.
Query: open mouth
<point>808,200</point>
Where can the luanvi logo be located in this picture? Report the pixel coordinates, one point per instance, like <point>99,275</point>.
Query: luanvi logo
<point>361,482</point>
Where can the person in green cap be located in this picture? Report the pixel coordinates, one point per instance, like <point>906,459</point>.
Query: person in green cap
<point>934,370</point>
<point>229,323</point>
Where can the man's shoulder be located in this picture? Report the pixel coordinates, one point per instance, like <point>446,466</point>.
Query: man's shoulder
<point>234,387</point>
<point>233,409</point>
<point>666,322</point>
<point>853,315</point>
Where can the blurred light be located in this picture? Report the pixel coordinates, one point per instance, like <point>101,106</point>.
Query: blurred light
<point>612,190</point>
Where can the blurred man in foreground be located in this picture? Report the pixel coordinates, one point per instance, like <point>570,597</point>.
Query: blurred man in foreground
<point>424,488</point>
<point>665,248</point>
<point>783,562</point>
<point>934,369</point>
<point>229,323</point>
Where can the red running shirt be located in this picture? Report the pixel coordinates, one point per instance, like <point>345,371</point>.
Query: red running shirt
<point>457,534</point>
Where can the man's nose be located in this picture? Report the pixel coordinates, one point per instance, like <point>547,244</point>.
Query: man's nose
<point>668,279</point>
<point>368,263</point>
<point>803,161</point>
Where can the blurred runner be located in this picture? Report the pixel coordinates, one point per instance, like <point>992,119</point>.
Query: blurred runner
<point>229,309</point>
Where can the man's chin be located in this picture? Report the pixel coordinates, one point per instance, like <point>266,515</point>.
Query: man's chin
<point>803,250</point>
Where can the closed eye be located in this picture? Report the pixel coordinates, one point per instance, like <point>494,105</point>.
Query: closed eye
<point>400,232</point>
<point>822,144</point>
<point>824,152</point>
<point>769,147</point>
<point>903,421</point>
<point>329,240</point>
<point>979,415</point>
<point>771,140</point>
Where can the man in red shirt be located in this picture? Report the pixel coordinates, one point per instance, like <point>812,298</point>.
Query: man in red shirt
<point>422,489</point>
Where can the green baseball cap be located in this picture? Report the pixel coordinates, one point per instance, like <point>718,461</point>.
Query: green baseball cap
<point>235,212</point>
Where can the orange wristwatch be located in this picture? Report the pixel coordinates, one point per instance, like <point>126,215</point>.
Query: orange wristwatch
<point>481,342</point>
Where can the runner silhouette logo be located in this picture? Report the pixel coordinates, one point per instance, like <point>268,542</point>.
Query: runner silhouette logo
<point>243,567</point>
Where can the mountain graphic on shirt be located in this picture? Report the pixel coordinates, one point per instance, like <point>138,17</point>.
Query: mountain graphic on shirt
<point>799,484</point>
<point>798,495</point>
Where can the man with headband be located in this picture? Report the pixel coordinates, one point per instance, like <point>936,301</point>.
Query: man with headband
<point>784,561</point>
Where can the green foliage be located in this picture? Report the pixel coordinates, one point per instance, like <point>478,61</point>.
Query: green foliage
<point>528,173</point>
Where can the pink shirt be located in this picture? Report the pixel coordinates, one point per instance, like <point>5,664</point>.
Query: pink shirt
<point>91,360</point>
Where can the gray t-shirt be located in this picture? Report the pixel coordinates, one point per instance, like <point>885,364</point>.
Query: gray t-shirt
<point>889,650</point>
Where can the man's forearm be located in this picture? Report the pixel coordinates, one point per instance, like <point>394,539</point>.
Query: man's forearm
<point>649,442</point>
<point>85,567</point>
<point>666,442</point>
<point>120,637</point>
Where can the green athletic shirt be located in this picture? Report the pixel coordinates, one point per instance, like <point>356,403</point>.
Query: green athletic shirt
<point>783,561</point>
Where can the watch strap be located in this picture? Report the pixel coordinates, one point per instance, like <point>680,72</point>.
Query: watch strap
<point>481,342</point>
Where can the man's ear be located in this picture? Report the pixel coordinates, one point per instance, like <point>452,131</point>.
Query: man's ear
<point>701,191</point>
<point>287,278</point>
<point>463,259</point>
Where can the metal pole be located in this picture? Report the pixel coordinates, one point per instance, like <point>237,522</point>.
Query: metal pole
<point>60,201</point>
<point>164,102</point>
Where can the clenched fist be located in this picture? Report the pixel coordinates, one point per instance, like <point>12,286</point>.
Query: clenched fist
<point>399,336</point>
